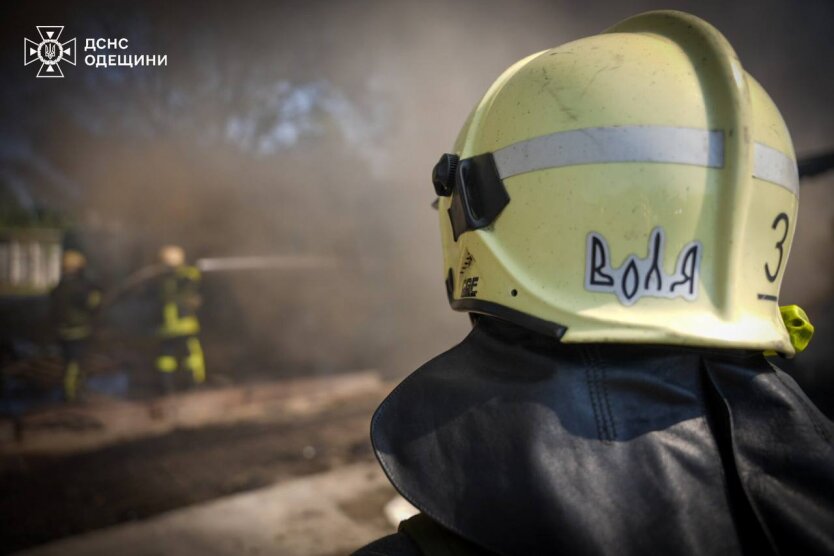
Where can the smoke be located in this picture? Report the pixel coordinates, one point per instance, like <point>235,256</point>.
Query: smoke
<point>281,114</point>
<point>17,187</point>
<point>16,152</point>
<point>258,118</point>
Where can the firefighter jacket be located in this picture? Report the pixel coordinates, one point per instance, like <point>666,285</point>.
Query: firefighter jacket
<point>179,296</point>
<point>515,443</point>
<point>73,304</point>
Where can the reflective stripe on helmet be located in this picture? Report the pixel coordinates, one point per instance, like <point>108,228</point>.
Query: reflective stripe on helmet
<point>677,145</point>
<point>673,145</point>
<point>776,167</point>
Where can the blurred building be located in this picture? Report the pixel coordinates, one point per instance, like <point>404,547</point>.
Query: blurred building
<point>30,260</point>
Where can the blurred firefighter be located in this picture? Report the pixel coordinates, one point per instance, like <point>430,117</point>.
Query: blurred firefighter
<point>73,306</point>
<point>616,216</point>
<point>179,299</point>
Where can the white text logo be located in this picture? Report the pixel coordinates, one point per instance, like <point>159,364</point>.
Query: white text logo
<point>50,51</point>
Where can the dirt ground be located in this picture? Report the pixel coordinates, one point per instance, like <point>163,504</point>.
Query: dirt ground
<point>325,514</point>
<point>49,496</point>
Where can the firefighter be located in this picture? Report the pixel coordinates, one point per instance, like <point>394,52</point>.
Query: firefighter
<point>616,217</point>
<point>179,299</point>
<point>73,306</point>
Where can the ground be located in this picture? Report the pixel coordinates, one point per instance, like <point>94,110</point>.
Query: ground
<point>325,514</point>
<point>193,452</point>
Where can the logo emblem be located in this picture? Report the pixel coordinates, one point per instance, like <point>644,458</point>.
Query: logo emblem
<point>50,51</point>
<point>642,277</point>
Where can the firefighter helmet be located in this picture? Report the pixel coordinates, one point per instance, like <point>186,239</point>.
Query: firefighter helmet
<point>172,255</point>
<point>633,186</point>
<point>73,261</point>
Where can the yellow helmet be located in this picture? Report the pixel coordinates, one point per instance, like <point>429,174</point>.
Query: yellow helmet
<point>172,255</point>
<point>633,186</point>
<point>73,261</point>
